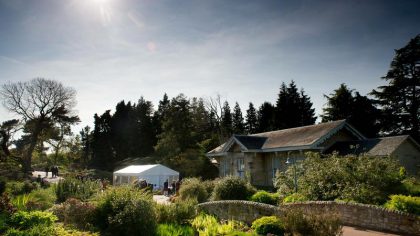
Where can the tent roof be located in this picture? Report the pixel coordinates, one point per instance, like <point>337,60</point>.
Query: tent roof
<point>138,170</point>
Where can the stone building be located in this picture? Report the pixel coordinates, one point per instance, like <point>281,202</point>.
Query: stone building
<point>259,156</point>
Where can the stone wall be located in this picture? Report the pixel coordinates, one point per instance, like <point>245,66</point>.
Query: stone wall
<point>352,214</point>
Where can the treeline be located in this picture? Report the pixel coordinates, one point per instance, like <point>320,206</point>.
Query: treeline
<point>182,129</point>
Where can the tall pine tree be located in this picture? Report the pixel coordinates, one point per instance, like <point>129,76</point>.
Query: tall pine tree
<point>266,117</point>
<point>238,120</point>
<point>226,120</point>
<point>399,100</point>
<point>251,119</point>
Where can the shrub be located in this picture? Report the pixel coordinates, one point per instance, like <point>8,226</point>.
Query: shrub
<point>42,230</point>
<point>404,203</point>
<point>362,179</point>
<point>25,220</point>
<point>193,188</point>
<point>174,230</point>
<point>268,224</point>
<point>296,223</point>
<point>76,213</point>
<point>295,197</point>
<point>232,188</point>
<point>179,212</point>
<point>18,188</point>
<point>208,225</point>
<point>125,211</point>
<point>41,199</point>
<point>3,182</point>
<point>265,197</point>
<point>6,207</point>
<point>411,186</point>
<point>74,188</point>
<point>20,201</point>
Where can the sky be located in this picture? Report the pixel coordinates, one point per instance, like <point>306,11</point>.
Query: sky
<point>113,50</point>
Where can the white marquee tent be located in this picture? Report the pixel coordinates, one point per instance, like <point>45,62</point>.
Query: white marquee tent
<point>154,174</point>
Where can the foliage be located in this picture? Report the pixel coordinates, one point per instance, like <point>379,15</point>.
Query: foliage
<point>357,109</point>
<point>238,126</point>
<point>297,105</point>
<point>411,186</point>
<point>232,188</point>
<point>193,188</point>
<point>404,203</point>
<point>208,225</point>
<point>17,187</point>
<point>20,202</point>
<point>251,119</point>
<point>179,212</point>
<point>398,99</point>
<point>75,188</point>
<point>265,197</point>
<point>268,225</point>
<point>6,207</point>
<point>125,211</point>
<point>266,120</point>
<point>294,197</point>
<point>75,212</point>
<point>362,179</point>
<point>3,182</point>
<point>322,224</point>
<point>174,230</point>
<point>41,199</point>
<point>25,220</point>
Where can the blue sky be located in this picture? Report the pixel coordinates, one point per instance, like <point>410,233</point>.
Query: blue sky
<point>110,50</point>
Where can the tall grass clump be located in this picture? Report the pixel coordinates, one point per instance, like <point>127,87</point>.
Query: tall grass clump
<point>74,188</point>
<point>193,188</point>
<point>174,230</point>
<point>179,212</point>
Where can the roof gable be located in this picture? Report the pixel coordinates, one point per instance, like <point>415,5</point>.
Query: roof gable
<point>291,139</point>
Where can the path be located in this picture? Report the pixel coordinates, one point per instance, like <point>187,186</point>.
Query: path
<point>48,179</point>
<point>161,199</point>
<point>355,231</point>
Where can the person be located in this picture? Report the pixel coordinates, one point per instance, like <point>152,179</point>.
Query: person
<point>46,171</point>
<point>165,188</point>
<point>173,188</point>
<point>38,179</point>
<point>56,171</point>
<point>177,186</point>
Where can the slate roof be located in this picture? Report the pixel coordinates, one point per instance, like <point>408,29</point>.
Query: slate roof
<point>376,146</point>
<point>293,137</point>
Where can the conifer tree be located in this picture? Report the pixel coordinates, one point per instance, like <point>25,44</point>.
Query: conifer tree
<point>238,120</point>
<point>226,120</point>
<point>251,119</point>
<point>266,120</point>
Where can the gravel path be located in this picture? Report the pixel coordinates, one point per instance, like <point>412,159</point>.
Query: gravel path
<point>354,231</point>
<point>48,179</point>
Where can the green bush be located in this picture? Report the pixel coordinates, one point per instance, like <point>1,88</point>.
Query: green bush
<point>208,225</point>
<point>75,213</point>
<point>16,188</point>
<point>25,220</point>
<point>193,188</point>
<point>268,224</point>
<point>125,211</point>
<point>404,203</point>
<point>363,179</point>
<point>6,206</point>
<point>232,188</point>
<point>296,223</point>
<point>41,199</point>
<point>174,230</point>
<point>74,188</point>
<point>265,197</point>
<point>42,230</point>
<point>411,186</point>
<point>295,197</point>
<point>179,212</point>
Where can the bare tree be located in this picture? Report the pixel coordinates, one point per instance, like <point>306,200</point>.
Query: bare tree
<point>40,103</point>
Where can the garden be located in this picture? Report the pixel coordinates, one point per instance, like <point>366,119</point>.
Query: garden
<point>83,207</point>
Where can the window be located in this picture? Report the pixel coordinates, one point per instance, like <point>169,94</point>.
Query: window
<point>225,167</point>
<point>276,164</point>
<point>240,165</point>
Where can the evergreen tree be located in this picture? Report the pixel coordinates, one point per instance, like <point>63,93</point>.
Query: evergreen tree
<point>144,134</point>
<point>358,110</point>
<point>226,120</point>
<point>251,119</point>
<point>266,120</point>
<point>103,154</point>
<point>399,100</point>
<point>86,142</point>
<point>293,108</point>
<point>238,120</point>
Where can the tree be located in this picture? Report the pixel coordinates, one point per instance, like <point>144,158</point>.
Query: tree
<point>266,120</point>
<point>86,142</point>
<point>238,120</point>
<point>251,119</point>
<point>399,100</point>
<point>103,152</point>
<point>293,108</point>
<point>345,103</point>
<point>40,103</point>
<point>226,121</point>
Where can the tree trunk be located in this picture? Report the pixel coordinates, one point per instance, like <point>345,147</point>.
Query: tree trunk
<point>27,158</point>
